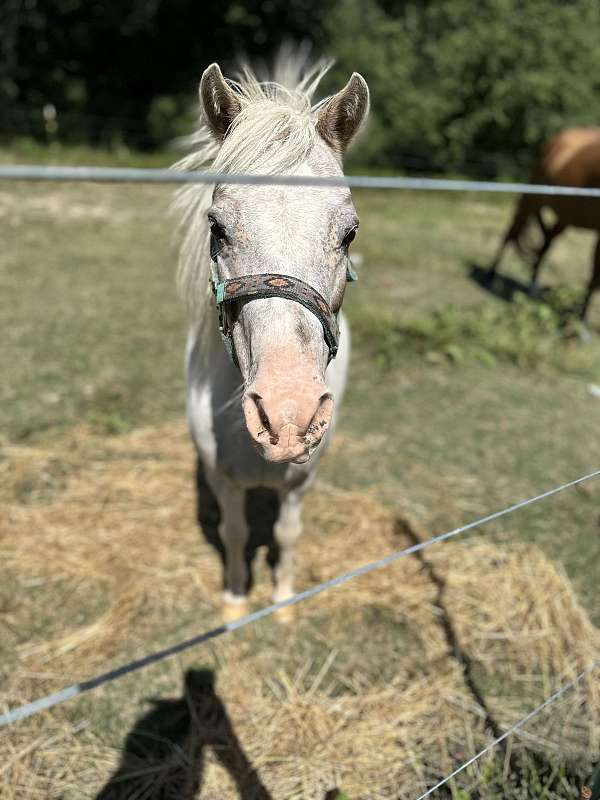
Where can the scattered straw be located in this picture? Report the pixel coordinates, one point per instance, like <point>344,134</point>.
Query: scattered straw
<point>102,560</point>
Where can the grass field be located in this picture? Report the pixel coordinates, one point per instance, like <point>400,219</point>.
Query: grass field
<point>458,404</point>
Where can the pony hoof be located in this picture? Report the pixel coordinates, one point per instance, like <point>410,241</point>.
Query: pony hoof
<point>286,615</point>
<point>234,607</point>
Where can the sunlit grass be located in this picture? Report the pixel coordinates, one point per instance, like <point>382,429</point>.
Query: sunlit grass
<point>458,402</point>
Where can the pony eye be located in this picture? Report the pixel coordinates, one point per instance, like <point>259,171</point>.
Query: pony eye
<point>217,231</point>
<point>348,238</point>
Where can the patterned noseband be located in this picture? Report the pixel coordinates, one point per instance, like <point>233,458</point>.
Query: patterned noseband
<point>269,284</point>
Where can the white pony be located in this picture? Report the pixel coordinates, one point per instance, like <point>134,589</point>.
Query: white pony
<point>263,270</point>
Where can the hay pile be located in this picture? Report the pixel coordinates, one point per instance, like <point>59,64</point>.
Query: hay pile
<point>101,561</point>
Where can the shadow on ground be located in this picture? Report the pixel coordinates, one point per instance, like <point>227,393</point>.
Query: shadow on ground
<point>501,286</point>
<point>164,753</point>
<point>507,289</point>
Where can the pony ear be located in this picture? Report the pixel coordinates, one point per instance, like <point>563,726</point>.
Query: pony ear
<point>342,115</point>
<point>220,103</point>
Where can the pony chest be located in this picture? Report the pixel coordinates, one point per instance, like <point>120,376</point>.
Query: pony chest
<point>226,448</point>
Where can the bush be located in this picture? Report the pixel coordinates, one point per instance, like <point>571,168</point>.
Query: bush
<point>526,332</point>
<point>452,79</point>
<point>170,117</point>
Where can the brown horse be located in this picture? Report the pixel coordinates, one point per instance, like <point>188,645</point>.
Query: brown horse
<point>571,158</point>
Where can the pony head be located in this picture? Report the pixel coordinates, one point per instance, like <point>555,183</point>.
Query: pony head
<point>300,233</point>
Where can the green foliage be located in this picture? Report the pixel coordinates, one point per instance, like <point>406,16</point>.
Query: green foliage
<point>450,79</point>
<point>111,423</point>
<point>170,117</point>
<point>102,65</point>
<point>525,332</point>
<point>457,77</point>
<point>27,150</point>
<point>111,410</point>
<point>529,778</point>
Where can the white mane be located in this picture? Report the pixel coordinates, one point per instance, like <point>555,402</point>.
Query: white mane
<point>272,134</point>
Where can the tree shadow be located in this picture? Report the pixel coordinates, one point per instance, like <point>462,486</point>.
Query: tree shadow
<point>164,753</point>
<point>262,511</point>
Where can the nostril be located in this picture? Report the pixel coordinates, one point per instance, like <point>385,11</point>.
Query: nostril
<point>321,418</point>
<point>263,416</point>
<point>325,406</point>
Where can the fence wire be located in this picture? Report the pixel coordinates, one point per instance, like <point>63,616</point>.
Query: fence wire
<point>21,172</point>
<point>167,176</point>
<point>514,728</point>
<point>76,689</point>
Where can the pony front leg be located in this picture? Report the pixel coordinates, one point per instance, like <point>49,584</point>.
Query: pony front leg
<point>286,531</point>
<point>233,531</point>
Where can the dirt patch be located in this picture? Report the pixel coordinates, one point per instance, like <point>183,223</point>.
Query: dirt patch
<point>364,691</point>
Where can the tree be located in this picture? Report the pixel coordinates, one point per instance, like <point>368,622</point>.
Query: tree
<point>102,64</point>
<point>453,78</point>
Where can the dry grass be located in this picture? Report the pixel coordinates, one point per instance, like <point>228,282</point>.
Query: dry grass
<point>102,560</point>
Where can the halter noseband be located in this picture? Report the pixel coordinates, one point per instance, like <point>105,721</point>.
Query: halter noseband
<point>273,284</point>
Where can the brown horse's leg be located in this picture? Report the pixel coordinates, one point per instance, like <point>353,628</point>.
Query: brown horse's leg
<point>520,219</point>
<point>509,236</point>
<point>541,223</point>
<point>550,235</point>
<point>594,282</point>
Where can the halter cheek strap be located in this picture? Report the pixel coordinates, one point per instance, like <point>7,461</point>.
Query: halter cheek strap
<point>268,284</point>
<point>351,275</point>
